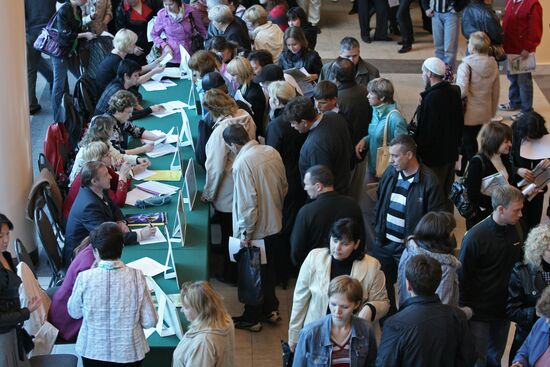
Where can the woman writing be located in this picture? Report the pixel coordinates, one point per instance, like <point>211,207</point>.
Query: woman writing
<point>298,55</point>
<point>177,21</point>
<point>115,306</point>
<point>344,257</point>
<point>12,315</point>
<point>210,339</point>
<point>339,338</point>
<point>384,113</point>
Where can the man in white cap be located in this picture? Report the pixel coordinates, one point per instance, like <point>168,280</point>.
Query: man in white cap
<point>440,122</point>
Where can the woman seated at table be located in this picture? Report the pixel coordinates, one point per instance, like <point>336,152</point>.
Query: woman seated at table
<point>178,28</point>
<point>241,70</point>
<point>297,54</point>
<point>124,44</point>
<point>120,182</point>
<point>345,256</point>
<point>210,339</point>
<point>115,305</point>
<point>121,106</point>
<point>100,129</point>
<point>58,315</point>
<point>535,351</point>
<point>495,141</point>
<point>339,338</point>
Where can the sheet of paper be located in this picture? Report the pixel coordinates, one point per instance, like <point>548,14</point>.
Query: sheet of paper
<point>171,72</point>
<point>148,266</point>
<point>157,188</point>
<point>153,85</point>
<point>157,238</point>
<point>175,105</point>
<point>165,175</point>
<point>168,83</point>
<point>235,246</point>
<point>303,70</point>
<point>164,113</point>
<point>106,34</point>
<point>136,194</point>
<point>143,175</point>
<point>149,332</point>
<point>166,59</point>
<point>160,150</point>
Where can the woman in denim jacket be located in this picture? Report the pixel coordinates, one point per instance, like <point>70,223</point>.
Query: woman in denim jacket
<point>340,337</point>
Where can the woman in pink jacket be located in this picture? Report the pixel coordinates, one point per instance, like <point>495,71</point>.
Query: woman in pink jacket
<point>175,21</point>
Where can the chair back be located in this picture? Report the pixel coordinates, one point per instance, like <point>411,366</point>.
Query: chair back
<point>43,162</point>
<point>23,255</point>
<point>48,239</point>
<point>54,360</point>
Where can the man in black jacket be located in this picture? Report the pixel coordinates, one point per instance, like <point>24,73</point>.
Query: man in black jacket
<point>406,191</point>
<point>425,332</point>
<point>440,124</point>
<point>328,141</point>
<point>312,226</point>
<point>488,253</point>
<point>92,207</point>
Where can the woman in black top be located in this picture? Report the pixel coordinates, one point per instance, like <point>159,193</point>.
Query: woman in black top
<point>493,156</point>
<point>68,23</point>
<point>297,54</point>
<point>529,127</point>
<point>528,280</point>
<point>12,315</point>
<point>297,18</point>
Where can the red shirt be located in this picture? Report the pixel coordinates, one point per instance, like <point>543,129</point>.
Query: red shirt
<point>522,24</point>
<point>134,15</point>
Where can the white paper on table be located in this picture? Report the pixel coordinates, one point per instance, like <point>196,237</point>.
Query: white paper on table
<point>169,138</point>
<point>235,246</point>
<point>536,149</point>
<point>149,332</point>
<point>136,194</point>
<point>164,113</point>
<point>148,266</point>
<point>143,175</point>
<point>171,72</point>
<point>160,150</point>
<point>152,86</point>
<point>158,237</point>
<point>106,34</point>
<point>175,105</point>
<point>157,188</point>
<point>166,59</point>
<point>168,83</point>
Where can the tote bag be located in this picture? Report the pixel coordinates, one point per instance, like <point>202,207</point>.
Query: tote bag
<point>383,152</point>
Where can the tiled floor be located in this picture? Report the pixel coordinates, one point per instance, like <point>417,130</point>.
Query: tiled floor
<point>263,349</point>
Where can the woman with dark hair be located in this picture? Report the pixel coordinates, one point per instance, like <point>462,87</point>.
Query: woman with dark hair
<point>297,17</point>
<point>12,315</point>
<point>495,141</point>
<point>345,256</point>
<point>433,237</point>
<point>529,129</point>
<point>225,51</point>
<point>115,305</point>
<point>297,54</point>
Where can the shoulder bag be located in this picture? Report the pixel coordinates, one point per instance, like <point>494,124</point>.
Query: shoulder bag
<point>197,41</point>
<point>459,195</point>
<point>383,152</point>
<point>48,41</point>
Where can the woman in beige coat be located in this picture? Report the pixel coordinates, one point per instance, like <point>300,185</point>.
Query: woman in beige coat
<point>344,257</point>
<point>210,339</point>
<point>96,15</point>
<point>478,79</point>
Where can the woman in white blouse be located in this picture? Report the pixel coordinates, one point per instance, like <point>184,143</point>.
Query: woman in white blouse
<point>114,302</point>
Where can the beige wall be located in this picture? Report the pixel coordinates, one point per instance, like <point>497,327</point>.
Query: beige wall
<point>543,51</point>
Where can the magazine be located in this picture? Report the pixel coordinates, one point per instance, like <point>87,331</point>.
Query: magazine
<point>155,219</point>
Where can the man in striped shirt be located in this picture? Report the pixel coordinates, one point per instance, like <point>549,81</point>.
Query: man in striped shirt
<point>407,190</point>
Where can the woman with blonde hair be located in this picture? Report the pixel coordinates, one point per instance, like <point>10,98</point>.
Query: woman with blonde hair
<point>528,280</point>
<point>241,70</point>
<point>210,339</point>
<point>218,188</point>
<point>479,83</point>
<point>266,35</point>
<point>124,44</point>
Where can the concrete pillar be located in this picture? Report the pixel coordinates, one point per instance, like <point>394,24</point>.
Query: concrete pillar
<point>543,51</point>
<point>15,142</point>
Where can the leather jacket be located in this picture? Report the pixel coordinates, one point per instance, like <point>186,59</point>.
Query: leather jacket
<point>308,59</point>
<point>11,313</point>
<point>478,16</point>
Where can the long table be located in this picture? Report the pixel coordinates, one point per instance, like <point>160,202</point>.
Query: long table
<point>191,260</point>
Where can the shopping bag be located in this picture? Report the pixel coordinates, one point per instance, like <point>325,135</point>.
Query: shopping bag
<point>249,277</point>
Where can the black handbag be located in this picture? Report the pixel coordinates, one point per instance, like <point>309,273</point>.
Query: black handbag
<point>249,279</point>
<point>459,196</point>
<point>24,342</point>
<point>48,41</point>
<point>197,41</point>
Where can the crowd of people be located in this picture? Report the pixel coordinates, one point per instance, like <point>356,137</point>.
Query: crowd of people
<point>292,168</point>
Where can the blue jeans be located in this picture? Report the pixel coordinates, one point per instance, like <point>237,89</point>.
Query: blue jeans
<point>520,93</point>
<point>61,66</point>
<point>490,341</point>
<point>36,63</point>
<point>445,34</point>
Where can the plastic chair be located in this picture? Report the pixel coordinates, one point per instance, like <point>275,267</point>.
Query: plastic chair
<point>54,360</point>
<point>23,255</point>
<point>48,239</point>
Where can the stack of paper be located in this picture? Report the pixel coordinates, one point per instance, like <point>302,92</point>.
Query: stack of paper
<point>172,72</point>
<point>148,266</point>
<point>157,188</point>
<point>171,108</point>
<point>143,175</point>
<point>169,138</point>
<point>158,237</point>
<point>164,175</point>
<point>153,85</point>
<point>136,194</point>
<point>160,150</point>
